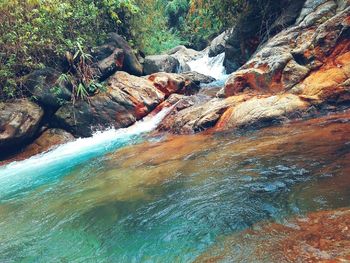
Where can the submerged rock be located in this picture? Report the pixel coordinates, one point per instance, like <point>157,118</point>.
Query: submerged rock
<point>320,237</point>
<point>19,122</point>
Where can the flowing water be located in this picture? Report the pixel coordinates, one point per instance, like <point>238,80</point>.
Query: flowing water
<point>167,199</point>
<point>210,66</point>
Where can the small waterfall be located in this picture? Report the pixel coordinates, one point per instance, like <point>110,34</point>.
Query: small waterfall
<point>210,66</point>
<point>40,169</point>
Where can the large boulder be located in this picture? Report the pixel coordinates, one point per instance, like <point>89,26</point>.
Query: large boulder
<point>19,123</point>
<point>127,99</point>
<point>184,55</point>
<point>130,62</point>
<point>45,87</point>
<point>160,63</point>
<point>256,24</point>
<point>107,60</point>
<point>318,38</point>
<point>196,114</point>
<point>184,83</point>
<point>260,112</point>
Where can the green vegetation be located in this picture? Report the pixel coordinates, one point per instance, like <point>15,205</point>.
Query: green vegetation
<point>38,33</point>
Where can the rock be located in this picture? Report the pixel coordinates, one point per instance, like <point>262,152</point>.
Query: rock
<point>287,58</point>
<point>183,55</point>
<point>168,83</point>
<point>131,63</point>
<point>217,45</point>
<point>293,73</point>
<point>300,71</point>
<point>45,87</point>
<point>127,99</point>
<point>109,65</point>
<point>197,78</point>
<point>252,29</point>
<point>193,81</point>
<point>160,63</point>
<point>195,114</point>
<point>19,122</point>
<point>47,140</point>
<point>319,237</point>
<point>330,82</point>
<point>260,112</point>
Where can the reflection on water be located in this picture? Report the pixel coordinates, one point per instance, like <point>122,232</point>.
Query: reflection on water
<point>169,199</point>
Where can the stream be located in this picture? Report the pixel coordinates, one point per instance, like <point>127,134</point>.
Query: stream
<point>136,196</point>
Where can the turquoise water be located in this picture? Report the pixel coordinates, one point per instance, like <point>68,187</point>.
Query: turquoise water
<point>167,199</point>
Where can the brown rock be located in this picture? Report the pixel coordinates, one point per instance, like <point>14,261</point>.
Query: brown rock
<point>169,83</point>
<point>127,99</point>
<point>47,140</point>
<point>287,58</point>
<point>19,122</point>
<point>320,237</point>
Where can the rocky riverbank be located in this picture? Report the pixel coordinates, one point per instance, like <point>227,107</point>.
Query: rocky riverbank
<point>302,71</point>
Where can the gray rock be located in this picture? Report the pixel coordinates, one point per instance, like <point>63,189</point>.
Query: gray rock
<point>160,63</point>
<point>45,87</point>
<point>131,63</point>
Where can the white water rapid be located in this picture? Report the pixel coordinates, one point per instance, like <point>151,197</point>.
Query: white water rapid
<point>210,66</point>
<point>40,169</point>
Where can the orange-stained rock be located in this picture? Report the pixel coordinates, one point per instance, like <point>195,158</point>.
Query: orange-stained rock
<point>167,83</point>
<point>192,114</point>
<point>127,99</point>
<point>330,81</point>
<point>185,83</point>
<point>262,111</point>
<point>286,59</point>
<point>319,237</point>
<point>46,141</point>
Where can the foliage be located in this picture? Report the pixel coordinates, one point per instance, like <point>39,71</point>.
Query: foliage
<point>35,33</point>
<point>150,29</point>
<point>38,33</point>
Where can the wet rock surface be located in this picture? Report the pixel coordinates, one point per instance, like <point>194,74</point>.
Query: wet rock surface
<point>46,141</point>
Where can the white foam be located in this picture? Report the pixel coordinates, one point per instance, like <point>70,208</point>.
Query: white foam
<point>210,66</point>
<point>69,155</point>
